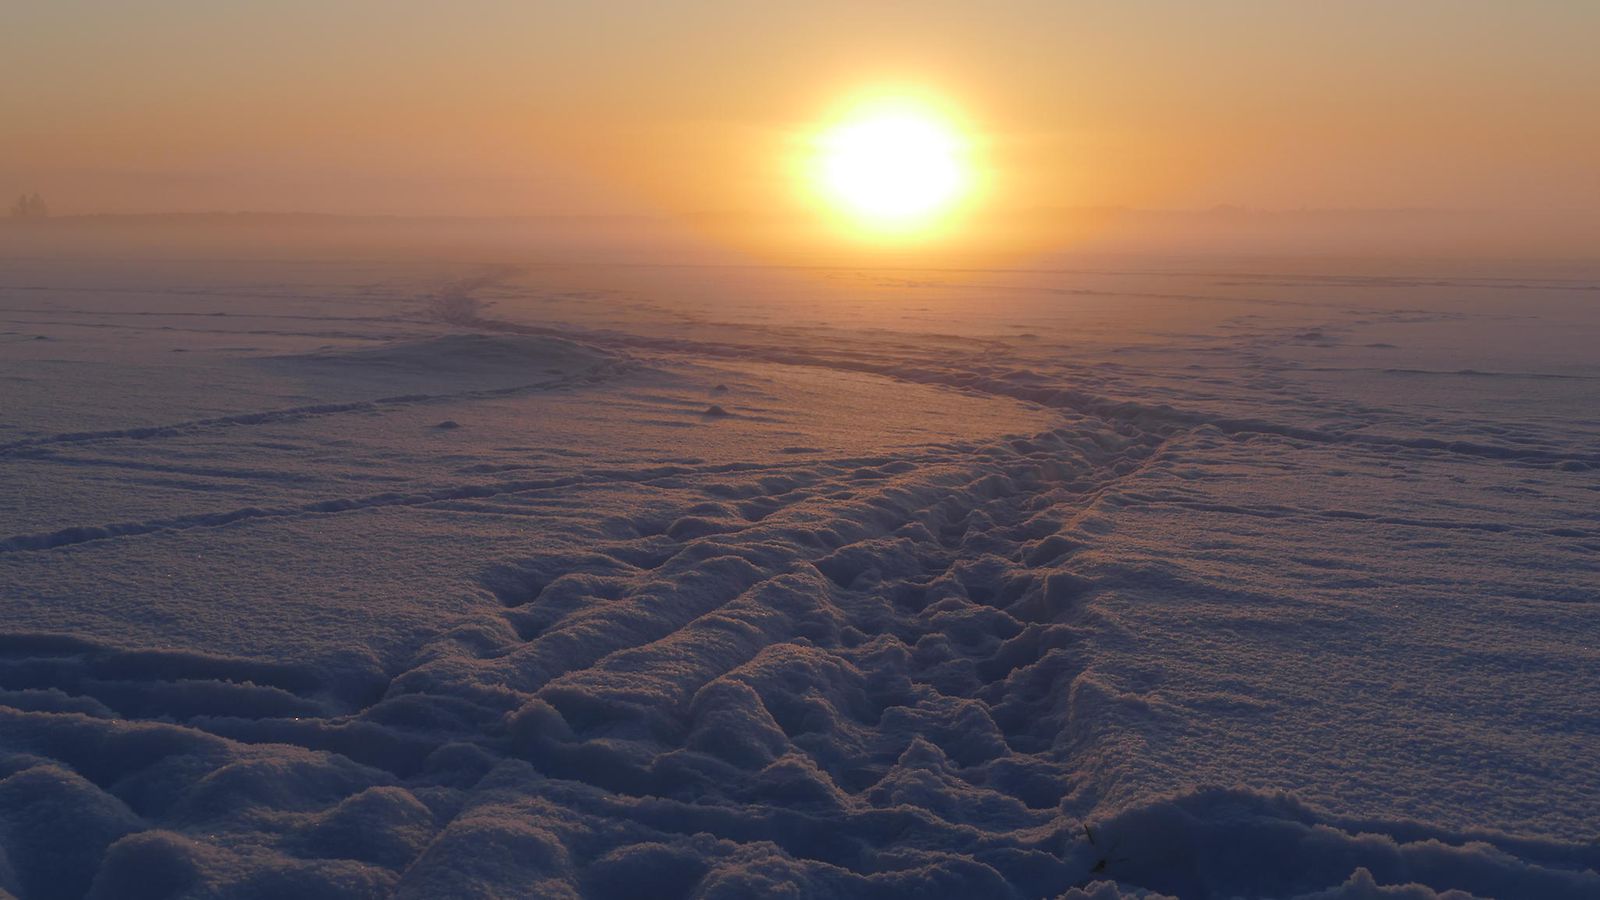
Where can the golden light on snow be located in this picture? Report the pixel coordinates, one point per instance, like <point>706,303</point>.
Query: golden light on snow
<point>893,168</point>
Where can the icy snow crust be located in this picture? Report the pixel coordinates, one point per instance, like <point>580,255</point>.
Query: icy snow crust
<point>368,580</point>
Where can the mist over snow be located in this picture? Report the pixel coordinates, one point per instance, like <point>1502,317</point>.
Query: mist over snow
<point>1128,579</point>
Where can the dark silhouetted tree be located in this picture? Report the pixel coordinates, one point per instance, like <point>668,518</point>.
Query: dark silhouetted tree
<point>29,206</point>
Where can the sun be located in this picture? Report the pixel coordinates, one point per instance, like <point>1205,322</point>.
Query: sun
<point>893,168</point>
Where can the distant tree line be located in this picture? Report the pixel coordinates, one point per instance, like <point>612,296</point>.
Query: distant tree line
<point>29,206</point>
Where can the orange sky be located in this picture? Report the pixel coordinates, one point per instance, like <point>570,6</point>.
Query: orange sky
<point>694,108</point>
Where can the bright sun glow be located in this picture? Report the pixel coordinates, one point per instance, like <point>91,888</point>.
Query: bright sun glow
<point>893,169</point>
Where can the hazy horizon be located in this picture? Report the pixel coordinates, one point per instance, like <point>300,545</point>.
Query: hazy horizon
<point>1396,235</point>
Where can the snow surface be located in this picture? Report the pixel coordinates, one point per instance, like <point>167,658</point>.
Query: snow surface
<point>365,579</point>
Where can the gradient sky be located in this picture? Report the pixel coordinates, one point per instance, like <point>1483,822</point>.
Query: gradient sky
<point>475,107</point>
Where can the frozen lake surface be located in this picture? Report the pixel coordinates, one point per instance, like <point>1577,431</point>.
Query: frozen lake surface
<point>361,579</point>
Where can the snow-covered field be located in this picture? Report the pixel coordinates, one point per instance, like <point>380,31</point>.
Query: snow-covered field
<point>364,579</point>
